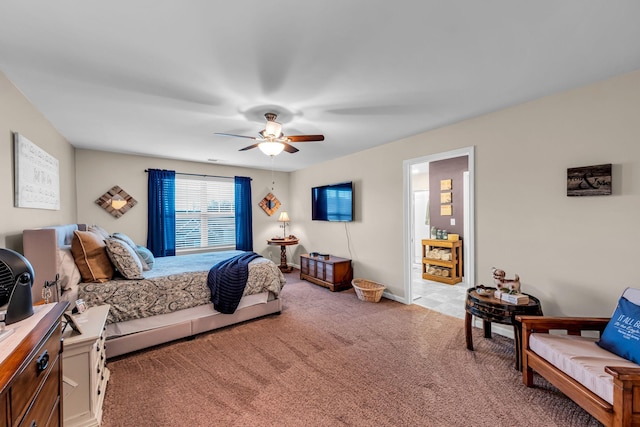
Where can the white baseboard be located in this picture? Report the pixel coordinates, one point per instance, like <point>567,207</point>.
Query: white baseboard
<point>497,328</point>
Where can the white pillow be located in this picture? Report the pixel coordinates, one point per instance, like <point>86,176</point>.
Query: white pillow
<point>67,268</point>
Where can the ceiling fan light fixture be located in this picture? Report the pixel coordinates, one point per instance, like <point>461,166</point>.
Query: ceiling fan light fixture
<point>271,148</point>
<point>272,130</point>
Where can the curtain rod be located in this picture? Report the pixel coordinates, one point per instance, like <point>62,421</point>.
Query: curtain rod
<point>198,174</point>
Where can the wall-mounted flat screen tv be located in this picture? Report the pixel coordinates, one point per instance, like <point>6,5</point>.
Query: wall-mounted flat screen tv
<point>332,202</point>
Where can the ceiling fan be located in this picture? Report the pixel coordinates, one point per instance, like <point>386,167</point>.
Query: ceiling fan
<point>272,141</point>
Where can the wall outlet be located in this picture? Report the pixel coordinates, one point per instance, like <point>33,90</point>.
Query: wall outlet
<point>453,221</point>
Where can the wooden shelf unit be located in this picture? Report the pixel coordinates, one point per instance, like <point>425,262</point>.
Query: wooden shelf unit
<point>454,265</point>
<point>332,272</point>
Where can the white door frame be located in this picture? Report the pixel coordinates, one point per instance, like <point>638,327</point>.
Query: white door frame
<point>469,241</point>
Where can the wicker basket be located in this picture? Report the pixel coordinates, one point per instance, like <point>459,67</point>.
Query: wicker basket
<point>366,290</point>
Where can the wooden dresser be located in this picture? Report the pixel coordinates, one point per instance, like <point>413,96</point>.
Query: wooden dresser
<point>331,272</point>
<point>31,376</point>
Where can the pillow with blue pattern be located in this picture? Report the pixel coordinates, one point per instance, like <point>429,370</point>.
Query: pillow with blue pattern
<point>622,334</point>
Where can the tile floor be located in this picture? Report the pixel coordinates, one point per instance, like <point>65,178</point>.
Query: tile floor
<point>441,297</point>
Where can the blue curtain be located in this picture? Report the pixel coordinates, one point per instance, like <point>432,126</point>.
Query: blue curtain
<point>161,231</point>
<point>244,219</point>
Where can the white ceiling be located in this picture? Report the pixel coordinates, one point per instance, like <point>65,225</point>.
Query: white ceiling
<point>160,77</point>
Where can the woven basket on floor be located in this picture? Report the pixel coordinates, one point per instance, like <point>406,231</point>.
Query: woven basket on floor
<point>368,290</point>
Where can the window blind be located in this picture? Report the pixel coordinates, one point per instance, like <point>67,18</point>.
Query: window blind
<point>205,212</point>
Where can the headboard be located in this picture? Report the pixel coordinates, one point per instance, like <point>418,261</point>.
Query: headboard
<point>40,248</point>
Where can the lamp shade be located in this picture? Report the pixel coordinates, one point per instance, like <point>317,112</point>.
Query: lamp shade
<point>271,148</point>
<point>284,217</point>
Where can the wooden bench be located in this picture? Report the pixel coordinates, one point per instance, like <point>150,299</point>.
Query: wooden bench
<point>625,411</point>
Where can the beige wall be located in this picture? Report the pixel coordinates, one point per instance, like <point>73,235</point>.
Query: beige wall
<point>17,114</point>
<point>576,254</point>
<point>98,171</point>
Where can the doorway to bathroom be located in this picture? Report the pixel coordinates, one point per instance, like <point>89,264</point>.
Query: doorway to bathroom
<point>439,194</point>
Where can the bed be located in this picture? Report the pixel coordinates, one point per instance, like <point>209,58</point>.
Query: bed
<point>167,302</point>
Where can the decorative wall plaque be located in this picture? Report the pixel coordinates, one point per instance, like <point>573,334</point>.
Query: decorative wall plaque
<point>37,176</point>
<point>270,204</point>
<point>589,180</point>
<point>116,201</point>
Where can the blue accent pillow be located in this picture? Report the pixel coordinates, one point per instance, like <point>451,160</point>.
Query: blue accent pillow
<point>622,334</point>
<point>146,256</point>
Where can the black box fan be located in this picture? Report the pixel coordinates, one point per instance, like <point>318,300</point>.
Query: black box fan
<point>16,279</point>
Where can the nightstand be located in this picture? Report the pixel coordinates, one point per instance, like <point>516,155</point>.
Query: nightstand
<point>84,372</point>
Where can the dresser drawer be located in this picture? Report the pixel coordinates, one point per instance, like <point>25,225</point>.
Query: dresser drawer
<point>304,265</point>
<point>4,409</point>
<point>36,371</point>
<point>328,273</point>
<point>312,268</point>
<point>46,403</point>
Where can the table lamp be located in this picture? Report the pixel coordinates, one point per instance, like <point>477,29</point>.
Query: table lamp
<point>284,219</point>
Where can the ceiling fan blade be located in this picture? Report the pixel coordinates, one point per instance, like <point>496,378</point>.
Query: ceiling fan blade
<point>249,147</point>
<point>236,136</point>
<point>290,148</point>
<point>305,138</point>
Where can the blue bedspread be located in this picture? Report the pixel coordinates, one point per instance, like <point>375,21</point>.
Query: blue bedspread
<point>227,280</point>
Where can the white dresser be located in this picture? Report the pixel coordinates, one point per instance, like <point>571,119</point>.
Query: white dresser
<point>85,373</point>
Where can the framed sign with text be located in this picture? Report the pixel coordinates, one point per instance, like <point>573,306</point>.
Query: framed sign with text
<point>37,176</point>
<point>589,180</point>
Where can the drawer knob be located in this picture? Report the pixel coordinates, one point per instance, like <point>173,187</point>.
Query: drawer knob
<point>43,361</point>
<point>34,423</point>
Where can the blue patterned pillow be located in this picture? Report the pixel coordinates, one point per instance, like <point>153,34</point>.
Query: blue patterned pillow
<point>622,334</point>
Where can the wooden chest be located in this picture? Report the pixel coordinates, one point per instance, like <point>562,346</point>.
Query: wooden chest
<point>332,272</point>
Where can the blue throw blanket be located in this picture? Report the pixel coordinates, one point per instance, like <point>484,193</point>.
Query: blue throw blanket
<point>227,280</point>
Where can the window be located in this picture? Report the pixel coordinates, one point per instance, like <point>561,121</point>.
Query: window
<point>205,213</point>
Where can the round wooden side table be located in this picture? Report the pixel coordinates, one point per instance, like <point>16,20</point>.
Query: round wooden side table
<point>493,310</point>
<point>283,243</point>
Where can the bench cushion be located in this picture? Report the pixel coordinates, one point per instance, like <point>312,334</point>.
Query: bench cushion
<point>581,359</point>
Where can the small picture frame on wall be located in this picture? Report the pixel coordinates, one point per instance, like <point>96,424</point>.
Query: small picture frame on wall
<point>445,184</point>
<point>446,210</point>
<point>589,180</point>
<point>269,204</point>
<point>445,197</point>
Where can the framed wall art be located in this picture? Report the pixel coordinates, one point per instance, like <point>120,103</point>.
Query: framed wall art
<point>269,204</point>
<point>116,201</point>
<point>37,176</point>
<point>445,184</point>
<point>589,180</point>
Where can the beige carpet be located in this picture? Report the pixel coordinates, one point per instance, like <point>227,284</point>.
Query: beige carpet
<point>332,360</point>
